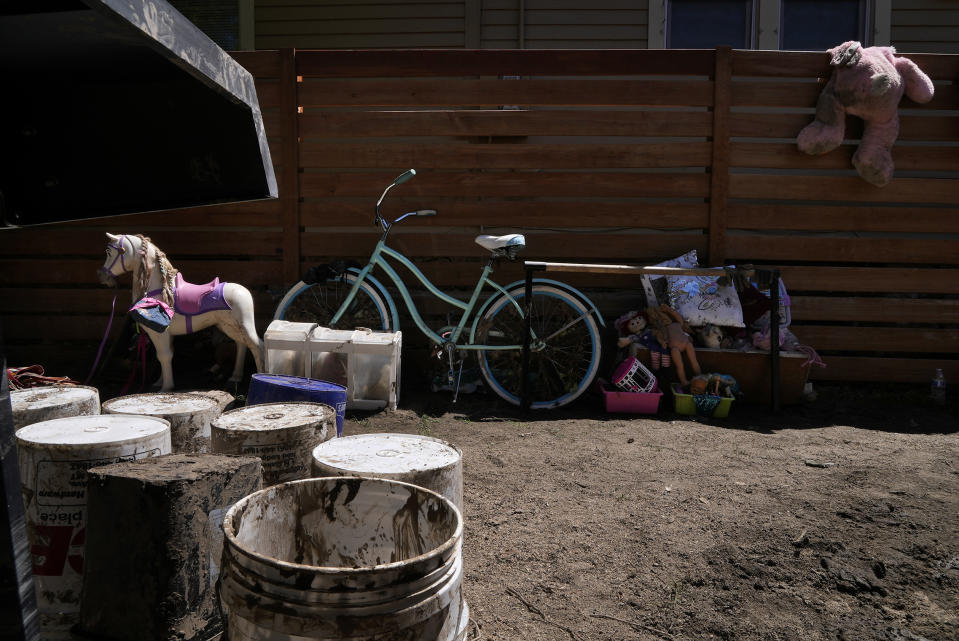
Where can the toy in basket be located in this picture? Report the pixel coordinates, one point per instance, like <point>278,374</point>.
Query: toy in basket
<point>710,405</point>
<point>632,376</point>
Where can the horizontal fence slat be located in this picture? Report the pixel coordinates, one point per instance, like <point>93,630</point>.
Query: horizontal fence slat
<point>801,64</point>
<point>490,212</point>
<point>876,310</point>
<point>771,247</point>
<point>481,92</point>
<point>268,93</point>
<point>526,156</point>
<point>788,125</point>
<point>883,370</point>
<point>262,64</point>
<point>851,218</point>
<point>28,272</point>
<point>540,245</point>
<point>496,122</point>
<point>889,280</point>
<point>886,339</point>
<point>787,156</point>
<point>510,184</point>
<point>842,188</point>
<point>776,93</point>
<point>79,241</point>
<point>374,63</point>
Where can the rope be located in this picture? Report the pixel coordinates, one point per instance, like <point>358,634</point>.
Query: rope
<point>103,342</point>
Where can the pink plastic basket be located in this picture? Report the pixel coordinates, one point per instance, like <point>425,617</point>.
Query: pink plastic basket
<point>632,376</point>
<point>631,402</point>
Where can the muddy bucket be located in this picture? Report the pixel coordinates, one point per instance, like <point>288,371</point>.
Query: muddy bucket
<point>343,558</point>
<point>54,458</point>
<point>421,460</point>
<point>282,435</point>
<point>189,415</point>
<point>36,404</point>
<point>279,388</point>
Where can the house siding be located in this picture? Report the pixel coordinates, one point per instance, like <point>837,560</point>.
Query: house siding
<point>927,26</point>
<point>500,24</point>
<point>360,24</point>
<point>564,24</point>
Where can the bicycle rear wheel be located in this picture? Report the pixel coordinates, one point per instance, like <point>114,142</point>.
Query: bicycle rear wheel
<point>318,302</point>
<point>561,368</point>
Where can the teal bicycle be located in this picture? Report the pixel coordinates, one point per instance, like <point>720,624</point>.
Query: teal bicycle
<point>564,326</point>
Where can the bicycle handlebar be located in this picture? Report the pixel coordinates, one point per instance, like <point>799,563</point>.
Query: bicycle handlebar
<point>406,175</point>
<point>399,180</point>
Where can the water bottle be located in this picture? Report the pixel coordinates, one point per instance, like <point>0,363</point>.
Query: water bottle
<point>939,387</point>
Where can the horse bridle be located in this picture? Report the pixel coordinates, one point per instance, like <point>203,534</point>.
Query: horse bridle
<point>121,251</point>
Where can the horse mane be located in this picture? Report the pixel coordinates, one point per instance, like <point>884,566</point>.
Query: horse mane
<point>145,268</point>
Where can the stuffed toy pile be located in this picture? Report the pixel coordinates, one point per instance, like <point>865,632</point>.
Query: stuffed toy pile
<point>868,83</point>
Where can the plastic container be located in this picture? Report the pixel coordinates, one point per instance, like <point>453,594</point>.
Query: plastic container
<point>279,388</point>
<point>343,558</point>
<point>189,415</point>
<point>54,458</point>
<point>282,435</point>
<point>367,363</point>
<point>36,404</point>
<point>622,402</point>
<point>700,404</point>
<point>421,460</point>
<point>286,346</point>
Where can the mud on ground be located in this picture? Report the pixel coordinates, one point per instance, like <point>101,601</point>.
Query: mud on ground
<point>837,520</point>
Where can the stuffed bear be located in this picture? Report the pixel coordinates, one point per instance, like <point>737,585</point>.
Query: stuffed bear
<point>866,82</point>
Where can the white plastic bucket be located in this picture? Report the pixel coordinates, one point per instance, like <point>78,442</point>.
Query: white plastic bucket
<point>282,435</point>
<point>421,460</point>
<point>35,404</point>
<point>343,558</point>
<point>54,458</point>
<point>190,416</point>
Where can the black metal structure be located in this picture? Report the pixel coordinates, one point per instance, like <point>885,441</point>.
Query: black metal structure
<point>110,107</point>
<point>118,106</point>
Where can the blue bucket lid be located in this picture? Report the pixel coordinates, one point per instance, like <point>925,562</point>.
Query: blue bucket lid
<point>299,383</point>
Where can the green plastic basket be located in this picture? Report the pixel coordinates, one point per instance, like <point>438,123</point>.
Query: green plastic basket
<point>701,404</point>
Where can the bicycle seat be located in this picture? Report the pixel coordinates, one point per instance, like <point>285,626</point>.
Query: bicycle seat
<point>494,243</point>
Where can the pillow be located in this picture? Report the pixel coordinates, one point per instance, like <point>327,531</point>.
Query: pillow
<point>702,300</point>
<point>688,260</point>
<point>656,288</point>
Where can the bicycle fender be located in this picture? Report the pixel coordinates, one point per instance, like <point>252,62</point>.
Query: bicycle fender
<point>394,314</point>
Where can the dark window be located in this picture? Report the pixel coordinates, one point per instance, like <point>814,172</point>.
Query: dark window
<point>817,25</point>
<point>706,24</point>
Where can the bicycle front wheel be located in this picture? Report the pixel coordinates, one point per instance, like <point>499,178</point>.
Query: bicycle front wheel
<point>566,348</point>
<point>318,302</point>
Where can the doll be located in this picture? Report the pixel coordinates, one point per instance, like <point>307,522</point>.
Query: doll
<point>672,332</point>
<point>632,328</point>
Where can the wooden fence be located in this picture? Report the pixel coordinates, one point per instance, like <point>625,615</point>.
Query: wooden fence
<point>620,156</point>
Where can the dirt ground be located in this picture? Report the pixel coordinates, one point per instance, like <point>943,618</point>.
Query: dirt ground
<point>837,519</point>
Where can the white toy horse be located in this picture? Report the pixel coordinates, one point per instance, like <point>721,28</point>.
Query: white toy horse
<point>228,306</point>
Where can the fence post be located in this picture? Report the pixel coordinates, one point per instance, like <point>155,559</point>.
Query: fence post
<point>289,161</point>
<point>719,170</point>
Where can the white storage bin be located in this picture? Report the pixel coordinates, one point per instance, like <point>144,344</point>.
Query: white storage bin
<point>286,348</point>
<point>366,362</point>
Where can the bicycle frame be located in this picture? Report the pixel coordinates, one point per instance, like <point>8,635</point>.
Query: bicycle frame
<point>378,259</point>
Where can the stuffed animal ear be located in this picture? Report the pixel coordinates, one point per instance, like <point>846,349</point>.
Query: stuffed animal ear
<point>847,54</point>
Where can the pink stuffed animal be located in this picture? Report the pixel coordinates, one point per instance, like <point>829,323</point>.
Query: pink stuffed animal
<point>866,82</point>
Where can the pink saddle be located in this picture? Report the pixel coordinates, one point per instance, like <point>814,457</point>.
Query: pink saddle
<point>190,297</point>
